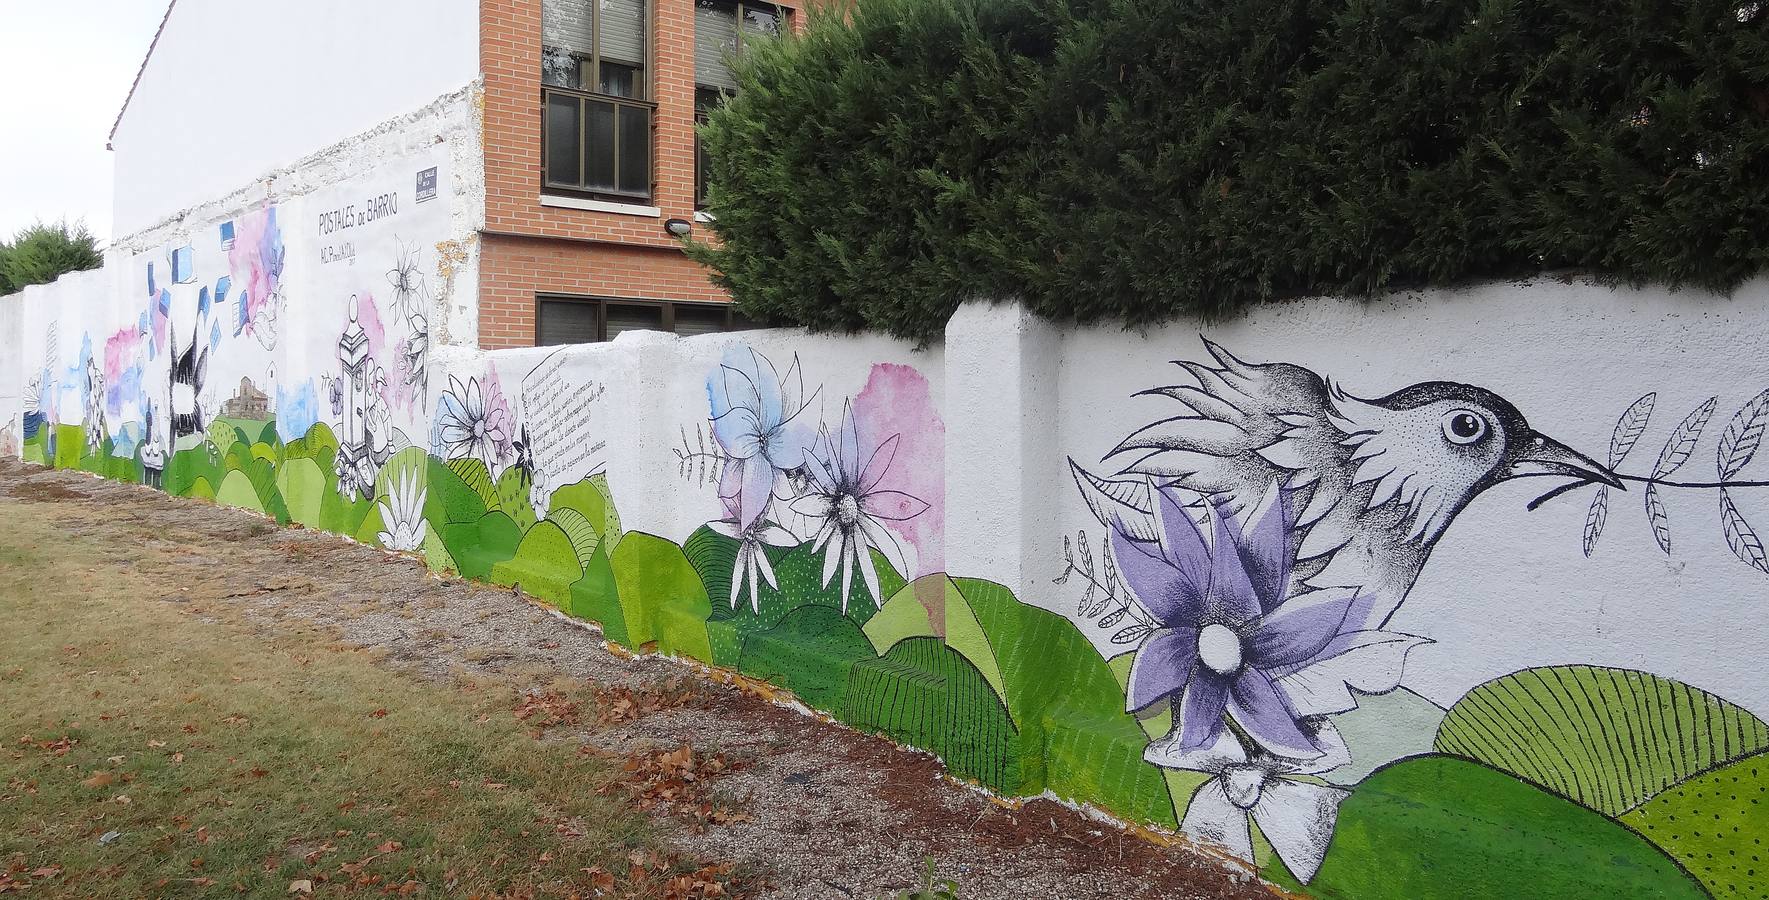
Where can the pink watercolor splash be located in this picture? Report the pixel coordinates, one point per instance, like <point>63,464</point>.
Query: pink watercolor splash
<point>256,259</point>
<point>897,400</point>
<point>120,352</point>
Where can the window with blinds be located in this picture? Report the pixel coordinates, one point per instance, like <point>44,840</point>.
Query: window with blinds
<point>581,320</point>
<point>596,133</point>
<point>721,30</point>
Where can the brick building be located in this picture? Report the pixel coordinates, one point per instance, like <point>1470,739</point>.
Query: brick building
<point>590,159</point>
<point>572,123</point>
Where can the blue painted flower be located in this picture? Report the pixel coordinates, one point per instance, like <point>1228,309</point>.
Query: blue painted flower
<point>1231,642</point>
<point>754,419</point>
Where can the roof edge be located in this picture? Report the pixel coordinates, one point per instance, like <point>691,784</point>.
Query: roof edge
<point>118,121</point>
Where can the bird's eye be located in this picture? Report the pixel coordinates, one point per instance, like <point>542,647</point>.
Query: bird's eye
<point>1463,427</point>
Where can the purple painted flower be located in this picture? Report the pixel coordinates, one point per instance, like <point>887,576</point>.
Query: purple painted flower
<point>754,415</point>
<point>1227,633</point>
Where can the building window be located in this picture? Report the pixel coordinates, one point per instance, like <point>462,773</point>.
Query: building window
<point>721,30</point>
<point>596,108</point>
<point>579,320</point>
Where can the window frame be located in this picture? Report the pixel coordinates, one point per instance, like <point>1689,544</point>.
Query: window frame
<point>784,14</point>
<point>734,321</point>
<point>585,96</point>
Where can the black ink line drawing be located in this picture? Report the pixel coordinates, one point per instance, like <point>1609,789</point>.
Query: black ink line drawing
<point>1369,485</point>
<point>1737,447</point>
<point>700,462</point>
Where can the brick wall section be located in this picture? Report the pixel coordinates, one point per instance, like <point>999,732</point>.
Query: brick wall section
<point>529,248</point>
<point>514,269</point>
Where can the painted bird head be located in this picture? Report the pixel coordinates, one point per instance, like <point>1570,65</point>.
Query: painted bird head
<point>1437,445</point>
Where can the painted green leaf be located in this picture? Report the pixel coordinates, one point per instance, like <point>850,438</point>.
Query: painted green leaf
<point>511,497</point>
<point>436,555</point>
<point>1076,738</point>
<point>661,596</point>
<point>318,444</point>
<point>448,499</point>
<point>369,532</point>
<point>810,653</point>
<point>70,445</point>
<point>1717,825</point>
<point>924,694</point>
<point>478,546</point>
<point>596,598</point>
<point>584,537</point>
<point>224,434</point>
<point>594,501</point>
<point>474,474</point>
<point>340,515</point>
<point>303,488</point>
<point>905,615</point>
<point>186,466</point>
<point>199,490</point>
<point>1607,738</point>
<point>545,564</point>
<point>1441,827</point>
<point>237,490</point>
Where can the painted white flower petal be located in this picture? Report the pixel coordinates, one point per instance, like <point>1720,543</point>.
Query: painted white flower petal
<point>737,573</point>
<point>832,553</point>
<point>765,567</point>
<point>1218,755</point>
<point>774,536</point>
<point>1298,819</point>
<point>1370,661</point>
<point>1212,819</point>
<point>868,573</point>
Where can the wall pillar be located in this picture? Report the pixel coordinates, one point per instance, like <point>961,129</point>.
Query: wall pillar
<point>1001,407</point>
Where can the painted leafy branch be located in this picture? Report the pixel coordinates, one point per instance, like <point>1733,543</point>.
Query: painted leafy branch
<point>1738,446</point>
<point>1627,433</point>
<point>1105,600</point>
<point>700,461</point>
<point>1675,453</point>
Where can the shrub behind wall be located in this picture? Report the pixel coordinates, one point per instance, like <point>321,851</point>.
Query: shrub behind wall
<point>1132,160</point>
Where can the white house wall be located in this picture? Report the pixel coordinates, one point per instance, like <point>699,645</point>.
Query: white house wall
<point>232,91</point>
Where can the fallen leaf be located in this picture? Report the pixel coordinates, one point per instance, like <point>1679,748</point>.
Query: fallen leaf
<point>156,744</point>
<point>49,871</point>
<point>301,886</point>
<point>99,779</point>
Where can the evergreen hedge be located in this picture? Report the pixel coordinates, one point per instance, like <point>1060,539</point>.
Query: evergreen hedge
<point>1136,160</point>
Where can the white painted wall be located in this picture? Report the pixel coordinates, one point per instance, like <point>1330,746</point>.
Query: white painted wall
<point>1506,588</point>
<point>235,90</point>
<point>12,313</point>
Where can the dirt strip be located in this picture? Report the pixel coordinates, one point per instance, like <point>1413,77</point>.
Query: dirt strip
<point>822,811</point>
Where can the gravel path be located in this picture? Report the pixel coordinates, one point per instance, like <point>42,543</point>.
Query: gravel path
<point>824,812</point>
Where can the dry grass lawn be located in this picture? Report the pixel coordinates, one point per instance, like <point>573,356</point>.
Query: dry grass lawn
<point>153,748</point>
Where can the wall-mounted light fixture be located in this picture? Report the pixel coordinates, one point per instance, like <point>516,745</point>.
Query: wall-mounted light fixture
<point>679,227</point>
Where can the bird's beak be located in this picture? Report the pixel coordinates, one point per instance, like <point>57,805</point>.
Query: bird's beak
<point>1545,456</point>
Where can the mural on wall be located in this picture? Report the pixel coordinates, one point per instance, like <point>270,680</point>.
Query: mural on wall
<point>1257,545</point>
<point>1228,664</point>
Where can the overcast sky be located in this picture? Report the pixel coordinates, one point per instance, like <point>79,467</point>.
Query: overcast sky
<point>65,67</point>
